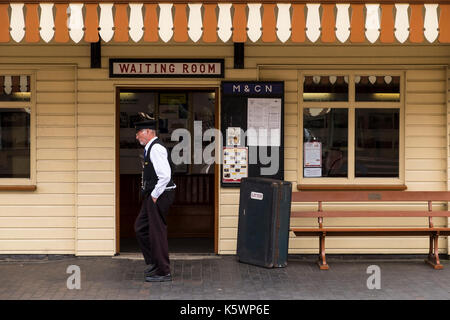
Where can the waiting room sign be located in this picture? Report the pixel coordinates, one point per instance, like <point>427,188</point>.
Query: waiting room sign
<point>164,68</point>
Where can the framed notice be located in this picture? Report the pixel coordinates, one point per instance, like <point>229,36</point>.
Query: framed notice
<point>235,164</point>
<point>252,116</point>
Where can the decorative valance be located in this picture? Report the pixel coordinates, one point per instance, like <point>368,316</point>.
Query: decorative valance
<point>225,22</point>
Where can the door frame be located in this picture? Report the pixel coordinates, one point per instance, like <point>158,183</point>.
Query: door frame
<point>118,89</point>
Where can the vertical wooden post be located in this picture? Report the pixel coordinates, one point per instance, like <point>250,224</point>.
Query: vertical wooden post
<point>430,218</point>
<point>320,218</point>
<point>433,254</point>
<point>322,262</point>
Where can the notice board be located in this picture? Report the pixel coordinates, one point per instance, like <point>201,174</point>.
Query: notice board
<point>252,125</point>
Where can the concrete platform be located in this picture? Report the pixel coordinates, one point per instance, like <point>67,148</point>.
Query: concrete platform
<point>212,277</point>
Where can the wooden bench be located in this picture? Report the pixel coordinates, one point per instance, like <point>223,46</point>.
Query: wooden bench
<point>376,196</point>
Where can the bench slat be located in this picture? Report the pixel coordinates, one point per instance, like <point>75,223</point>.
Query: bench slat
<point>363,232</point>
<point>316,214</point>
<point>342,196</point>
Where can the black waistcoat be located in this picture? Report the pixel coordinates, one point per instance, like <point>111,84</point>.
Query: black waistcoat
<point>149,177</point>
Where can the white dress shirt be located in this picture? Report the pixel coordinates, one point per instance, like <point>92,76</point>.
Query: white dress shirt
<point>158,157</point>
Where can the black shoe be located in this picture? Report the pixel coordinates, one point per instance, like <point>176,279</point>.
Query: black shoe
<point>150,270</point>
<point>158,278</point>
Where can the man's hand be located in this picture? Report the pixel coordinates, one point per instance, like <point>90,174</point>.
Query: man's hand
<point>154,199</point>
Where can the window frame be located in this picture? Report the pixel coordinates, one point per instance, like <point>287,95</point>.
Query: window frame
<point>351,105</point>
<point>23,184</point>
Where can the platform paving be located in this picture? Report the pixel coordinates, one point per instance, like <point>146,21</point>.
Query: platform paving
<point>220,277</point>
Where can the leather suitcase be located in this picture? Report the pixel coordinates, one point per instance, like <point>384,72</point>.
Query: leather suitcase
<point>263,228</point>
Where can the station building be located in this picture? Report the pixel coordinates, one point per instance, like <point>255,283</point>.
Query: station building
<point>369,81</point>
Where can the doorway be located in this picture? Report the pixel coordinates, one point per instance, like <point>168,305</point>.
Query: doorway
<point>192,220</point>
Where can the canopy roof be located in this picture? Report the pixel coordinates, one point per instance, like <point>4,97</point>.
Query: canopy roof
<point>208,21</point>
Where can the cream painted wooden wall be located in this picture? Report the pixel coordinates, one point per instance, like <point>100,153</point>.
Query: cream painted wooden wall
<point>73,209</point>
<point>96,163</point>
<point>43,221</point>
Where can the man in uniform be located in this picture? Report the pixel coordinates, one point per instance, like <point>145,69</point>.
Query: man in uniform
<point>158,192</point>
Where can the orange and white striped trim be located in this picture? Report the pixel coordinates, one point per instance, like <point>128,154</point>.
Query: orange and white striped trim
<point>210,22</point>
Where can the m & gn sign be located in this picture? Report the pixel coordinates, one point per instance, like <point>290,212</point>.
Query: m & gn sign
<point>176,68</point>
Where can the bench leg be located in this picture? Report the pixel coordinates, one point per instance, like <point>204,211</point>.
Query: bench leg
<point>322,262</point>
<point>433,255</point>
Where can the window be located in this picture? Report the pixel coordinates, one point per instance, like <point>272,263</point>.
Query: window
<point>329,127</point>
<point>16,165</point>
<point>351,128</point>
<point>377,88</point>
<point>377,142</point>
<point>331,88</point>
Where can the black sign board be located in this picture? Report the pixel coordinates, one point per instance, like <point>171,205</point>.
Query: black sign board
<point>247,109</point>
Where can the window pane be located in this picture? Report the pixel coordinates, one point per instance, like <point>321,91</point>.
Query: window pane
<point>329,127</point>
<point>325,88</point>
<point>15,88</point>
<point>131,103</point>
<point>204,104</point>
<point>377,143</point>
<point>174,108</point>
<point>14,143</point>
<point>377,88</point>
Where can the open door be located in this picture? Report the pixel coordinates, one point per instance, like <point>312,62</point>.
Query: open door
<point>191,221</point>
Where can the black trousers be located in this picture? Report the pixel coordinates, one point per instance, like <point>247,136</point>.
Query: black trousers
<point>151,230</point>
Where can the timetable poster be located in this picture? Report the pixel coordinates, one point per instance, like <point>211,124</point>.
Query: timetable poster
<point>235,164</point>
<point>264,122</point>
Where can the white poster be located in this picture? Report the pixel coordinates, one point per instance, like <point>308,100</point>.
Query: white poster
<point>312,172</point>
<point>233,136</point>
<point>312,159</point>
<point>264,122</point>
<point>235,164</point>
<point>313,154</point>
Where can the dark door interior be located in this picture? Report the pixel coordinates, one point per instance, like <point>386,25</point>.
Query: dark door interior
<point>191,218</point>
